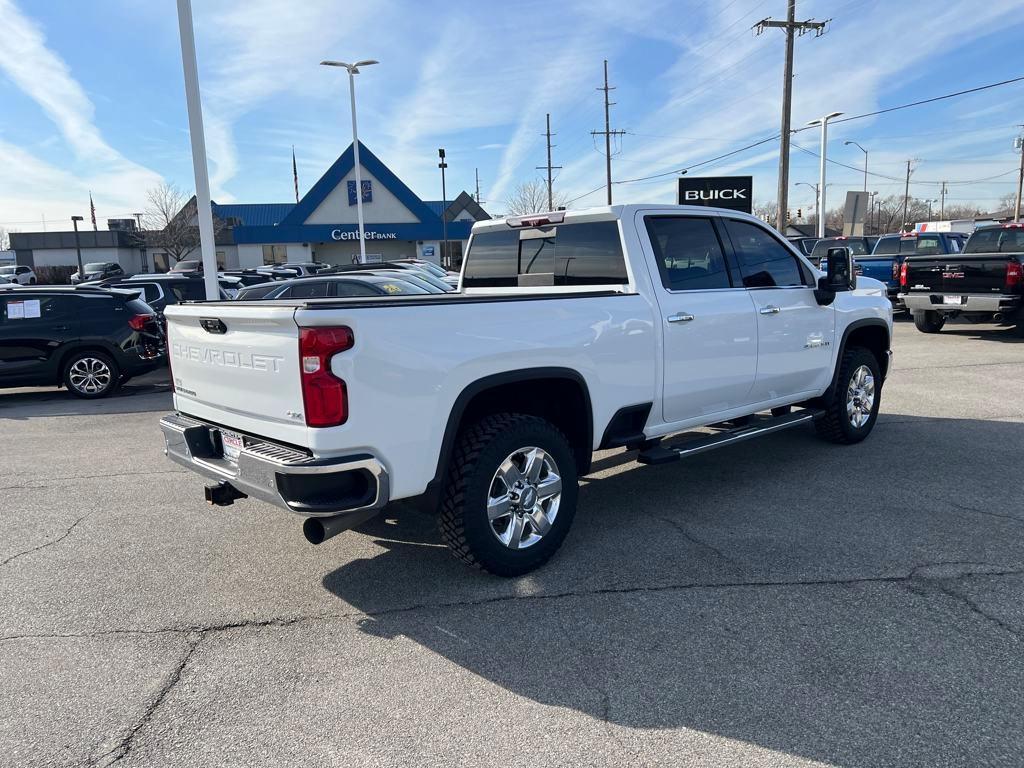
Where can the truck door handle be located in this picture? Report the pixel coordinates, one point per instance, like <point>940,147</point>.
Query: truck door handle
<point>62,327</point>
<point>680,317</point>
<point>771,309</point>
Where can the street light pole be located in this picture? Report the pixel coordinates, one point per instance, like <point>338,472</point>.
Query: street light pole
<point>78,249</point>
<point>195,129</point>
<point>445,261</point>
<point>823,122</point>
<point>353,70</point>
<point>858,146</point>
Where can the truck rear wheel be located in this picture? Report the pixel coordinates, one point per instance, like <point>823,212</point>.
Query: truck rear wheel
<point>851,413</point>
<point>927,321</point>
<point>511,494</point>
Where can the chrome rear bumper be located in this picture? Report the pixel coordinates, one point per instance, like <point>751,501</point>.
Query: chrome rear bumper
<point>968,302</point>
<point>278,474</point>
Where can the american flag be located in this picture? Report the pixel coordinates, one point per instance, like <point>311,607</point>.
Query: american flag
<point>295,175</point>
<point>92,210</point>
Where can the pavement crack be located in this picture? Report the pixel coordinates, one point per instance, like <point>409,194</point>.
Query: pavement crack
<point>975,608</point>
<point>123,747</point>
<point>46,544</point>
<point>912,576</point>
<point>56,480</point>
<point>687,534</point>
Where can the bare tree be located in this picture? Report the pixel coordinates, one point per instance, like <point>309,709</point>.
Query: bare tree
<point>171,221</point>
<point>1006,205</point>
<point>960,211</point>
<point>531,197</point>
<point>767,211</point>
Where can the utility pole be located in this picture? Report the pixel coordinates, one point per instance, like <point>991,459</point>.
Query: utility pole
<point>549,166</point>
<point>607,132</point>
<point>1019,143</point>
<point>789,26</point>
<point>942,203</point>
<point>906,198</point>
<point>477,172</point>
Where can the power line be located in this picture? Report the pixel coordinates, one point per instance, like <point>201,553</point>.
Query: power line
<point>931,100</point>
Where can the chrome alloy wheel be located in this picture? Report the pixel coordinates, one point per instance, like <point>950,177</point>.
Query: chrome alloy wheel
<point>90,375</point>
<point>860,397</point>
<point>522,503</point>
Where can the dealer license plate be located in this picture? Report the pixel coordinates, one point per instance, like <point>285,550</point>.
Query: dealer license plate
<point>951,300</point>
<point>231,444</point>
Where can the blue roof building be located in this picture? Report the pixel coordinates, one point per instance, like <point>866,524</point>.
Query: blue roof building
<point>323,227</point>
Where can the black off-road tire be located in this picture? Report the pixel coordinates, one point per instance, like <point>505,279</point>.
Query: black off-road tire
<point>480,450</point>
<point>835,426</point>
<point>927,321</point>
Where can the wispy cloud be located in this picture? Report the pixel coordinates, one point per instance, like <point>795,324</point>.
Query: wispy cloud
<point>43,76</point>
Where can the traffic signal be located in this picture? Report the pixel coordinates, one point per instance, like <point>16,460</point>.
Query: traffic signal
<point>799,213</point>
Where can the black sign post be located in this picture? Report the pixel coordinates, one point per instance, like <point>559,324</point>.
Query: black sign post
<point>733,192</point>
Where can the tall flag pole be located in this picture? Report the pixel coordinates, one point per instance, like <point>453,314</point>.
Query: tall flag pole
<point>295,174</point>
<point>92,210</point>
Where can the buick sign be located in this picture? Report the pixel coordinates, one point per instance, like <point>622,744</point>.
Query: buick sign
<point>733,192</point>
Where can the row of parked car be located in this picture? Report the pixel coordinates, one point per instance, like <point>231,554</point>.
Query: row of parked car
<point>935,276</point>
<point>97,334</point>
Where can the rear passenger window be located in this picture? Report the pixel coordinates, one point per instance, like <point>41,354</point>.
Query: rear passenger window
<point>316,290</point>
<point>763,261</point>
<point>354,288</point>
<point>588,253</point>
<point>887,246</point>
<point>690,256</point>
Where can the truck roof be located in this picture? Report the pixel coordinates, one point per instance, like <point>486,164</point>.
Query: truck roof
<point>604,213</point>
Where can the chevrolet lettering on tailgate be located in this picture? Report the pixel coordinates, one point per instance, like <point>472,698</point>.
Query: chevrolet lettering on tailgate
<point>226,358</point>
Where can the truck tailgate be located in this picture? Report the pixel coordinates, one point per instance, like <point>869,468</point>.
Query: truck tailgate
<point>238,365</point>
<point>958,273</point>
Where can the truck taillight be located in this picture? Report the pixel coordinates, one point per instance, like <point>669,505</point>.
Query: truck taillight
<point>1013,275</point>
<point>904,268</point>
<point>323,394</point>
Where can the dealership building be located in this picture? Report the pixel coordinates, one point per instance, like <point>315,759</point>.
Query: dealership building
<point>322,226</point>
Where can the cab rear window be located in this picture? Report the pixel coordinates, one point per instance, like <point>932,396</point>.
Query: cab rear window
<point>588,253</point>
<point>996,240</point>
<point>856,245</point>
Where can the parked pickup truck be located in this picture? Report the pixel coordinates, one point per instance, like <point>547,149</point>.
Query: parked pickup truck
<point>884,262</point>
<point>572,332</point>
<point>983,283</point>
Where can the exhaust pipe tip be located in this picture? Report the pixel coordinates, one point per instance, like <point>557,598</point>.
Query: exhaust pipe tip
<point>317,530</point>
<point>314,530</point>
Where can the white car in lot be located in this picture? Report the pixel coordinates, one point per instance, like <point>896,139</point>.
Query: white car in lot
<point>18,273</point>
<point>572,331</point>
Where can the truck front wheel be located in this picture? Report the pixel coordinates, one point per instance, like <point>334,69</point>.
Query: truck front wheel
<point>511,494</point>
<point>852,411</point>
<point>927,321</point>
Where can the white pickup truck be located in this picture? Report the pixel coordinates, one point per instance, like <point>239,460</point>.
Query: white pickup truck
<point>572,332</point>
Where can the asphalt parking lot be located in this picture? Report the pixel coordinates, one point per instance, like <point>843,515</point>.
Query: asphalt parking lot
<point>780,602</point>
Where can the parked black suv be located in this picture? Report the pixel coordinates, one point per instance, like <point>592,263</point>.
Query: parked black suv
<point>91,340</point>
<point>99,270</point>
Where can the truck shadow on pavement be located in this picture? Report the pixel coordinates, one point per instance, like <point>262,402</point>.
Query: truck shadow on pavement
<point>985,333</point>
<point>841,604</point>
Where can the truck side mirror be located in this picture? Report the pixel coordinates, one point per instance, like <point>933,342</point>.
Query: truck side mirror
<point>840,275</point>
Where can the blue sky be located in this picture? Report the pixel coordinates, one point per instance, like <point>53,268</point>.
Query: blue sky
<point>92,95</point>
